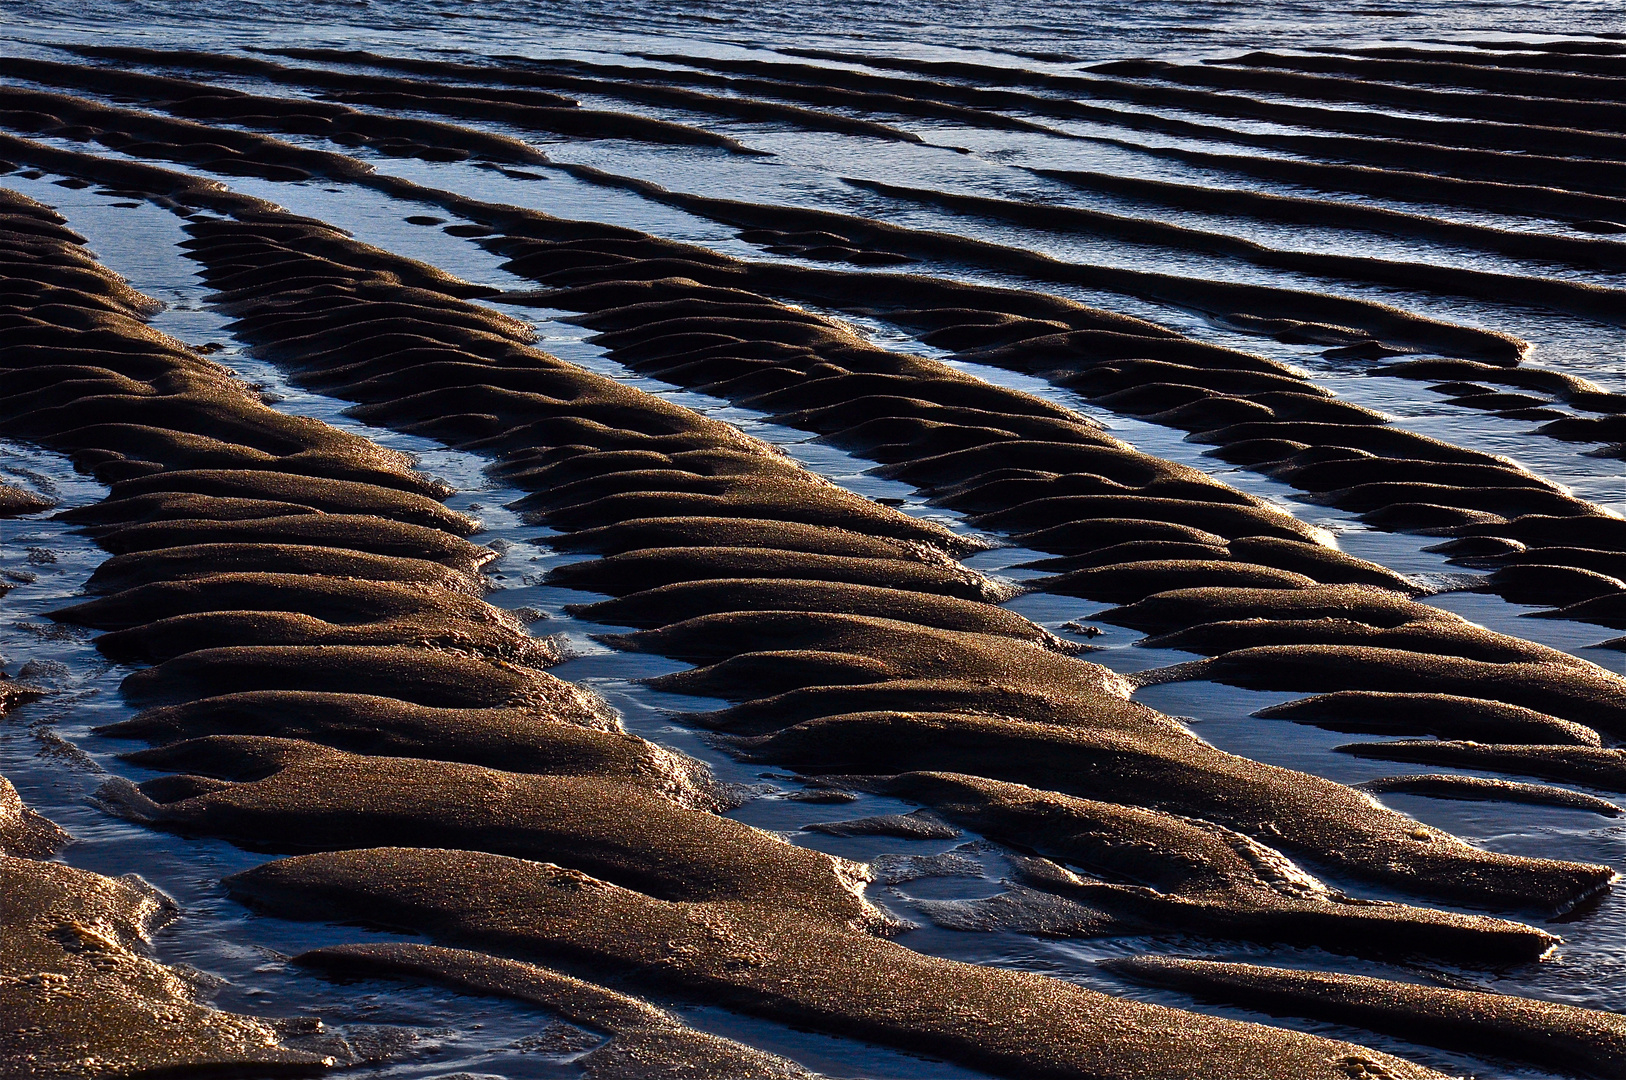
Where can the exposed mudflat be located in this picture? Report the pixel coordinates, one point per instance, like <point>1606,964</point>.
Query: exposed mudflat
<point>767,550</point>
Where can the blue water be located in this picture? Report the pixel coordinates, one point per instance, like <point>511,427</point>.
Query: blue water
<point>1056,31</point>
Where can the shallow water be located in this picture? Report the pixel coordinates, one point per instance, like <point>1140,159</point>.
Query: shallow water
<point>57,763</point>
<point>47,748</point>
<point>1021,31</point>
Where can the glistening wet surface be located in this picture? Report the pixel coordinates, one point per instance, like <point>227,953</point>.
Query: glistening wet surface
<point>57,763</point>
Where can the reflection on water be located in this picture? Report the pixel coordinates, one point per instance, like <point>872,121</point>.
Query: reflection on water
<point>1027,34</point>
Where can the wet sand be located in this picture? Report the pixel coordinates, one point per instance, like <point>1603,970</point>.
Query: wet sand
<point>305,627</point>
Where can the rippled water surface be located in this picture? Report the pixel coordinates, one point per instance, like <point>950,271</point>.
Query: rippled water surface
<point>1051,32</point>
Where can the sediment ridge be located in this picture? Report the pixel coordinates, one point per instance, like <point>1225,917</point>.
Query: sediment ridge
<point>322,677</point>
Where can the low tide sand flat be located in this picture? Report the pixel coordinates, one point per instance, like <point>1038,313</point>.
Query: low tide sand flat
<point>907,439</point>
<point>84,994</point>
<point>274,653</point>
